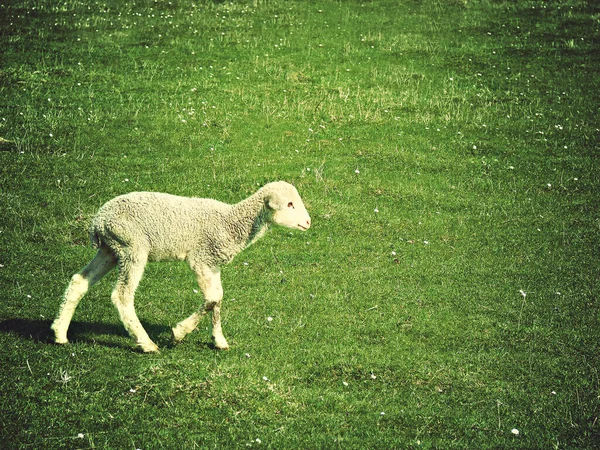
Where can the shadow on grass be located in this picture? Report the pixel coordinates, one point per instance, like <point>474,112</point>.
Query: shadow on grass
<point>37,330</point>
<point>86,332</point>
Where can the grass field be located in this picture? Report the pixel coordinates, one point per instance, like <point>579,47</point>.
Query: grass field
<point>446,295</point>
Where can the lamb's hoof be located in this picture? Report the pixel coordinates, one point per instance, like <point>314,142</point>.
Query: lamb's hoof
<point>221,343</point>
<point>149,348</point>
<point>61,341</point>
<point>177,335</point>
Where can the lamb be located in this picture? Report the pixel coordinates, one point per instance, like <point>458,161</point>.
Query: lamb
<point>138,227</point>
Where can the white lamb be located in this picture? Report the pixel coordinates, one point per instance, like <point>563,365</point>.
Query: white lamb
<point>132,229</point>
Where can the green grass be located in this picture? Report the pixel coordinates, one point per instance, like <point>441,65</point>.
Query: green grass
<point>447,292</point>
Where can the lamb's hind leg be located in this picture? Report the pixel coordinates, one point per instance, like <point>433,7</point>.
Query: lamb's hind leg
<point>131,268</point>
<point>209,280</point>
<point>103,262</point>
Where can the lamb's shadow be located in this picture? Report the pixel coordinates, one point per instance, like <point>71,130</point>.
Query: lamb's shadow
<point>88,332</point>
<point>37,330</point>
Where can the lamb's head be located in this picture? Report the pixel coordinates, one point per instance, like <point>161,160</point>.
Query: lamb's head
<point>286,205</point>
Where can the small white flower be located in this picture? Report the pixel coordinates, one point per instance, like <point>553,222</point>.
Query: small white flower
<point>393,253</point>
<point>265,379</point>
<point>382,413</point>
<point>376,210</point>
<point>373,376</point>
<point>523,293</point>
<point>247,355</point>
<point>258,441</point>
<point>357,171</point>
<point>344,383</point>
<point>132,390</point>
<point>80,435</point>
<point>269,319</point>
<point>515,431</point>
<point>426,242</point>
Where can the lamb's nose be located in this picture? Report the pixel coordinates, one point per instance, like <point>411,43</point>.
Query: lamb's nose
<point>308,222</point>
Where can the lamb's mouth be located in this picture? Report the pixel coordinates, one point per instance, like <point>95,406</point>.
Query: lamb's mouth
<point>303,227</point>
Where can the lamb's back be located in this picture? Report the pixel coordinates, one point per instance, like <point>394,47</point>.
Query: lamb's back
<point>167,226</point>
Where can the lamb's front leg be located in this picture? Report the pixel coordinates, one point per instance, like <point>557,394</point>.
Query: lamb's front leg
<point>209,280</point>
<point>217,332</point>
<point>185,327</point>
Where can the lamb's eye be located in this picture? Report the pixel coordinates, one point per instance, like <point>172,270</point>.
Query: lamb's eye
<point>291,205</point>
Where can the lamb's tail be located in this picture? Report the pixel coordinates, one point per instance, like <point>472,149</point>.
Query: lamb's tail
<point>95,236</point>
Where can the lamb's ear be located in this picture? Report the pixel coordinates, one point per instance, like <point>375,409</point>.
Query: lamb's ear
<point>273,202</point>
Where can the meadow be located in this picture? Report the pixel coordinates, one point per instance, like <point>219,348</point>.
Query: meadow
<point>446,295</point>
